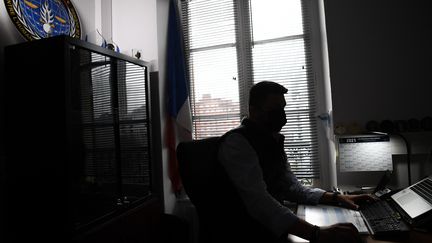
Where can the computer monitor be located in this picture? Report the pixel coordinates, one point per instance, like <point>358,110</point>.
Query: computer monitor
<point>363,159</point>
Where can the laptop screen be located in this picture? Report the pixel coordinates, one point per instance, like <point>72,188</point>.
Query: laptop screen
<point>415,200</point>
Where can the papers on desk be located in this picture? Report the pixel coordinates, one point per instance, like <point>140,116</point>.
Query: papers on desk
<point>324,215</point>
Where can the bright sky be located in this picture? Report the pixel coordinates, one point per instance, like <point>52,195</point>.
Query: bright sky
<point>276,18</point>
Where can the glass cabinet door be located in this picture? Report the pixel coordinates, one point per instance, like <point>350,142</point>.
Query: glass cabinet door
<point>134,131</point>
<point>97,186</point>
<point>109,99</point>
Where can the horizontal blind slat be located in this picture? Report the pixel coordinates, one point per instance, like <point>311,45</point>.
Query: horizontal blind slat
<point>281,55</point>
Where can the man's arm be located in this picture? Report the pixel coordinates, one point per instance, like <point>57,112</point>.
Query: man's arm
<point>241,164</point>
<point>296,192</point>
<point>347,201</point>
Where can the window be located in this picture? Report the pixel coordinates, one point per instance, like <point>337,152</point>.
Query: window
<point>230,45</point>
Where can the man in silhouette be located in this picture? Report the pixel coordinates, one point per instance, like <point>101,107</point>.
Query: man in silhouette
<point>254,158</point>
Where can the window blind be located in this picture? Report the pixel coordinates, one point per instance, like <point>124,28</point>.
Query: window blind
<point>210,40</point>
<point>231,45</point>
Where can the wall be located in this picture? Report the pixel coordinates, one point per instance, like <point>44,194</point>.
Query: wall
<point>379,59</point>
<point>90,15</point>
<point>131,24</point>
<point>134,27</point>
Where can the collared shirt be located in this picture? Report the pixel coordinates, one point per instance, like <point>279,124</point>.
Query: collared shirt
<point>241,163</point>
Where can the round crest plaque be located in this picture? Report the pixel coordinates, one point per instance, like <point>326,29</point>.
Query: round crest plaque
<point>37,19</point>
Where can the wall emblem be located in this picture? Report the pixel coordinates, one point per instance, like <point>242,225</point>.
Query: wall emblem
<point>37,19</point>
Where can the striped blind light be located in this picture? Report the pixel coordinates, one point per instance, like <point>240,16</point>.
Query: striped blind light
<point>231,45</point>
<point>210,40</point>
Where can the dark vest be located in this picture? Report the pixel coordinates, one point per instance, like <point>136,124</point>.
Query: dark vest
<point>271,154</point>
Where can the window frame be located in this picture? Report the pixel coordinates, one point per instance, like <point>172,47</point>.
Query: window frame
<point>321,79</point>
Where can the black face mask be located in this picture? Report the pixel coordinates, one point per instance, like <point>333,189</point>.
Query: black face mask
<point>277,119</point>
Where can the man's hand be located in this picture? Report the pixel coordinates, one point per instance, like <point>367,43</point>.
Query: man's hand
<point>347,201</point>
<point>339,233</point>
<point>351,201</point>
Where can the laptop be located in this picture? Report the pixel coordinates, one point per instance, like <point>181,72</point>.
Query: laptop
<point>415,202</point>
<point>394,215</point>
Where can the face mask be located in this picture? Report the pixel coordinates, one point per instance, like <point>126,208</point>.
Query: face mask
<point>277,119</point>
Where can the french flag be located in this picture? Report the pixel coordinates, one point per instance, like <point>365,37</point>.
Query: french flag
<point>179,121</point>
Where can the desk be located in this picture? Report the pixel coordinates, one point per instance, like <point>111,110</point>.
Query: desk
<point>414,237</point>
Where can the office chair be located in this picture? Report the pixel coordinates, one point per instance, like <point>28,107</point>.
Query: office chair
<point>221,213</point>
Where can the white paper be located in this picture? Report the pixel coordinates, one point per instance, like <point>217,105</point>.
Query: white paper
<point>374,156</point>
<point>324,215</point>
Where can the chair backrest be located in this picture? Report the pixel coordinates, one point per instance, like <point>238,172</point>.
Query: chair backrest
<point>221,213</point>
<point>199,169</point>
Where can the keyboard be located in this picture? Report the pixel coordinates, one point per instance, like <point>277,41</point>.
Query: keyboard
<point>424,189</point>
<point>382,220</point>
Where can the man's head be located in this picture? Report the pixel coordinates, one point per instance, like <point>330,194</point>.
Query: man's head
<point>266,105</point>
